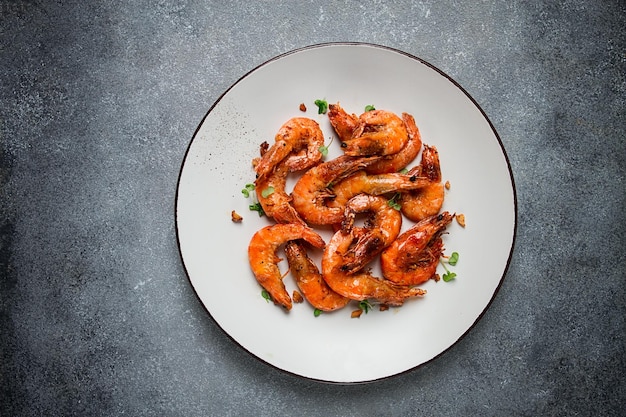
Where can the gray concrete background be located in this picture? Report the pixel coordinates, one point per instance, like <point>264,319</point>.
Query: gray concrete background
<point>99,101</point>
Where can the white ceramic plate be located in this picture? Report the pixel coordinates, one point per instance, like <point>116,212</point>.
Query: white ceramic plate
<point>333,347</point>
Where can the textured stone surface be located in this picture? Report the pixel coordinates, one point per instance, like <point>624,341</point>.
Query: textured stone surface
<point>98,103</point>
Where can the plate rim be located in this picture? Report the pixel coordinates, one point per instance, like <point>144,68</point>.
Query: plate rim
<point>440,72</point>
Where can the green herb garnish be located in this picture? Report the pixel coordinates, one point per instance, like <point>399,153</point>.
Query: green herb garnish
<point>324,148</point>
<point>369,107</point>
<point>393,202</point>
<point>365,306</point>
<point>257,207</point>
<point>266,295</point>
<point>247,189</point>
<point>317,312</point>
<point>322,106</point>
<point>448,276</point>
<point>452,260</point>
<point>267,192</point>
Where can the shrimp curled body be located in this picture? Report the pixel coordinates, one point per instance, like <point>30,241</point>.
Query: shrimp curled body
<point>311,192</point>
<point>413,257</point>
<point>360,285</point>
<point>271,194</point>
<point>381,227</point>
<point>398,161</point>
<point>375,132</point>
<point>427,201</point>
<point>264,261</point>
<point>352,247</point>
<point>297,142</point>
<point>310,280</point>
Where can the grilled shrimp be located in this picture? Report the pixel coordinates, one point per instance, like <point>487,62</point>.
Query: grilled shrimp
<point>311,191</point>
<point>310,281</point>
<point>271,194</point>
<point>413,257</point>
<point>381,228</point>
<point>395,162</point>
<point>428,200</point>
<point>379,184</point>
<point>343,123</point>
<point>375,132</point>
<point>379,132</point>
<point>298,142</point>
<point>360,285</point>
<point>264,261</point>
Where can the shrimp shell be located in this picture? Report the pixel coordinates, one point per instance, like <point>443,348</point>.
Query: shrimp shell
<point>311,191</point>
<point>375,132</point>
<point>360,285</point>
<point>379,132</point>
<point>428,200</point>
<point>413,257</point>
<point>361,182</point>
<point>398,161</point>
<point>297,142</point>
<point>277,203</point>
<point>310,280</point>
<point>264,261</point>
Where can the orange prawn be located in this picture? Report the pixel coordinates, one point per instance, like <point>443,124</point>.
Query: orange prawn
<point>310,280</point>
<point>398,161</point>
<point>381,227</point>
<point>380,184</point>
<point>311,192</point>
<point>413,257</point>
<point>271,194</point>
<point>298,142</point>
<point>375,132</point>
<point>264,261</point>
<point>361,285</point>
<point>428,200</point>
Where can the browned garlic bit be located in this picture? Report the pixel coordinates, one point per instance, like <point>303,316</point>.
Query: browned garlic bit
<point>356,314</point>
<point>447,185</point>
<point>302,107</point>
<point>297,297</point>
<point>235,217</point>
<point>460,219</point>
